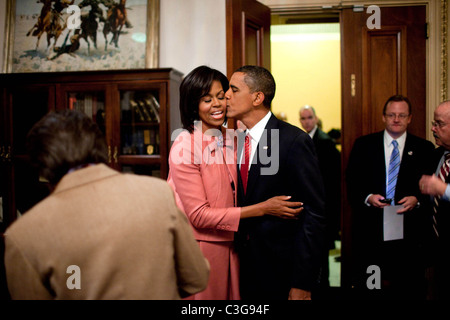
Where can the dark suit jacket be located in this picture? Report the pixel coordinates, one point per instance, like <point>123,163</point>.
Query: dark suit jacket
<point>366,174</point>
<point>442,216</point>
<point>330,168</point>
<point>438,247</point>
<point>278,254</point>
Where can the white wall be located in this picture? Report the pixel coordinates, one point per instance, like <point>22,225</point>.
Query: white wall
<point>192,32</point>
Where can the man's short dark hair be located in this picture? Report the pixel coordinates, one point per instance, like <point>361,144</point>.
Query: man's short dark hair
<point>397,98</point>
<point>260,79</point>
<point>63,140</point>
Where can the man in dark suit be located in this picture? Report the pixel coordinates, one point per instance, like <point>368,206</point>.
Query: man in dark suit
<point>280,259</point>
<point>330,167</point>
<point>437,186</point>
<point>400,261</point>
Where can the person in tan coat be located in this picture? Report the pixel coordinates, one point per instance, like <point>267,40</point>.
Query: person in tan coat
<point>100,234</point>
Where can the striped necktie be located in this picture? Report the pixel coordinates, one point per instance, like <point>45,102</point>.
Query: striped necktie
<point>442,174</point>
<point>394,167</point>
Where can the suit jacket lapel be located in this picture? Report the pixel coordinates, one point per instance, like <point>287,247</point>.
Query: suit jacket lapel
<point>439,152</point>
<point>379,158</point>
<point>240,147</point>
<point>407,156</point>
<point>229,149</point>
<point>408,152</point>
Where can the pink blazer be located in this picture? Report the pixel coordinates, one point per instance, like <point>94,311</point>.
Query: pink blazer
<point>203,175</point>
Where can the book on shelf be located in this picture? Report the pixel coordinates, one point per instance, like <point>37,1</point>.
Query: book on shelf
<point>136,110</point>
<point>72,101</point>
<point>94,107</point>
<point>138,142</point>
<point>152,103</point>
<point>147,113</point>
<point>88,105</point>
<point>150,141</point>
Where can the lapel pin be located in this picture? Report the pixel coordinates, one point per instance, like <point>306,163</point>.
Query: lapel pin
<point>220,141</point>
<point>410,153</point>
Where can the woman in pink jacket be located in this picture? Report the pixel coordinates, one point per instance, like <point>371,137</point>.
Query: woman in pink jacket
<point>203,175</point>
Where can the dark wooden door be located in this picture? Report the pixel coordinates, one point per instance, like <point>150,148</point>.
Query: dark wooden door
<point>248,34</point>
<point>378,63</point>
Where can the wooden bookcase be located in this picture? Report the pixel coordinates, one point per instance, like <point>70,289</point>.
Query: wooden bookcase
<point>136,109</point>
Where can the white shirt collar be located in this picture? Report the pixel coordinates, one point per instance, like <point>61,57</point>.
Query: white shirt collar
<point>313,131</point>
<point>258,129</point>
<point>389,147</point>
<point>256,133</point>
<point>401,140</point>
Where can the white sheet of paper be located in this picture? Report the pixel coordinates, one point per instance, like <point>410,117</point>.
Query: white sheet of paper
<point>392,223</point>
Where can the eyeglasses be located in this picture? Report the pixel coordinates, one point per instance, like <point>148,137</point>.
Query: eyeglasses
<point>391,116</point>
<point>439,124</point>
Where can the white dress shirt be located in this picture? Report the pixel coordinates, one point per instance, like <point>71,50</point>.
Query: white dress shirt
<point>388,148</point>
<point>256,133</point>
<point>313,131</point>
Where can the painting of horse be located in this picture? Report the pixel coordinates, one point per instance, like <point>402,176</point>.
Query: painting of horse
<point>111,34</point>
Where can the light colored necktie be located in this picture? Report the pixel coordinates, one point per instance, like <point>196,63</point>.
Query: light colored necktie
<point>394,167</point>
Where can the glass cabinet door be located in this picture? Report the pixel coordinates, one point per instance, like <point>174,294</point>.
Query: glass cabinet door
<point>94,100</point>
<point>141,122</point>
<point>91,103</point>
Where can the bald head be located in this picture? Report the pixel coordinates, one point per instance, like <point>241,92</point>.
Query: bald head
<point>441,125</point>
<point>307,107</point>
<point>444,107</point>
<point>308,118</point>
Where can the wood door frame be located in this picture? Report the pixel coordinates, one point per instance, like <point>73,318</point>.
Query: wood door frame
<point>397,31</point>
<point>238,17</point>
<point>242,15</point>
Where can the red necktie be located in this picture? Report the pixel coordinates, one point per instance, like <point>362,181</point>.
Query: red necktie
<point>443,173</point>
<point>245,164</point>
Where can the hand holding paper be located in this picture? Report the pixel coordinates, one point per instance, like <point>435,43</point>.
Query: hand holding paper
<point>392,223</point>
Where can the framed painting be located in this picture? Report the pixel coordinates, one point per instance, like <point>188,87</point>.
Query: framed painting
<point>78,35</point>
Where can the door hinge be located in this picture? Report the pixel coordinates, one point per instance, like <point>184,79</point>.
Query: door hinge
<point>353,85</point>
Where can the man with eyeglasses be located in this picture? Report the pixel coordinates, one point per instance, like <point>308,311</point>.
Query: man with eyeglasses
<point>437,186</point>
<point>375,181</point>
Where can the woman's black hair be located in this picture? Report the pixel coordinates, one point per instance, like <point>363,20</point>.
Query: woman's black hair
<point>195,86</point>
